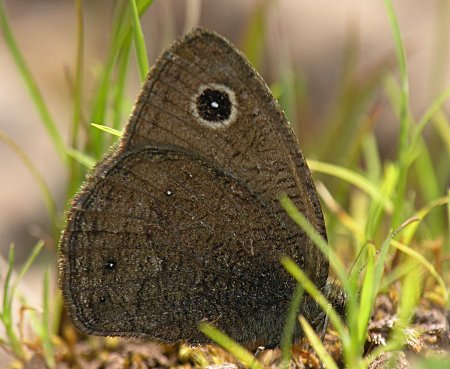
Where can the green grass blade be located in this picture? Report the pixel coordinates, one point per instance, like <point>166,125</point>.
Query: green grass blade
<point>409,233</point>
<point>383,253</point>
<point>231,346</point>
<point>430,188</point>
<point>411,290</point>
<point>399,48</point>
<point>379,266</point>
<point>312,290</point>
<point>82,158</point>
<point>428,115</point>
<point>119,96</point>
<point>425,263</point>
<point>104,88</point>
<point>372,158</point>
<point>368,295</point>
<point>7,285</point>
<point>353,178</point>
<point>121,36</point>
<point>78,80</point>
<point>345,219</point>
<point>9,293</point>
<point>31,85</point>
<point>50,203</point>
<point>426,175</point>
<point>46,336</point>
<point>312,233</point>
<point>57,314</point>
<point>291,321</point>
<point>254,36</point>
<point>107,129</point>
<point>442,124</point>
<point>335,263</point>
<point>74,169</point>
<point>139,42</point>
<point>6,313</point>
<point>29,261</point>
<point>402,156</point>
<point>394,275</point>
<point>386,189</point>
<point>326,359</point>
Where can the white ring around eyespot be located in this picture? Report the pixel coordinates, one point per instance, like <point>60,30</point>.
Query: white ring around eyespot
<point>231,96</point>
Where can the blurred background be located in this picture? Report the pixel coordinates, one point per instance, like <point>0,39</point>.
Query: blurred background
<point>330,63</point>
<point>327,52</point>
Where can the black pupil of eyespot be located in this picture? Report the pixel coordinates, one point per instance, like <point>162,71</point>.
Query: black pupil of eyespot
<point>110,264</point>
<point>214,105</point>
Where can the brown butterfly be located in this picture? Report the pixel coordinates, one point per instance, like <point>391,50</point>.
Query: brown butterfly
<point>181,223</point>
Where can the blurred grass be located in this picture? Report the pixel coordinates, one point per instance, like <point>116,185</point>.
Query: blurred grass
<point>405,198</point>
<point>33,89</point>
<point>47,196</point>
<point>239,352</point>
<point>10,286</point>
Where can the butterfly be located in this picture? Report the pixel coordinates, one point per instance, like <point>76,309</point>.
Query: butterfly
<point>181,223</point>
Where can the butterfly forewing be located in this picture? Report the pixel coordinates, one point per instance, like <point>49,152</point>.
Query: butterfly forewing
<point>258,146</point>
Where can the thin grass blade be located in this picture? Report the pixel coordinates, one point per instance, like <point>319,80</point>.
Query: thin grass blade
<point>31,85</point>
<point>139,42</point>
<point>353,178</point>
<point>231,346</point>
<point>326,359</point>
<point>49,201</point>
